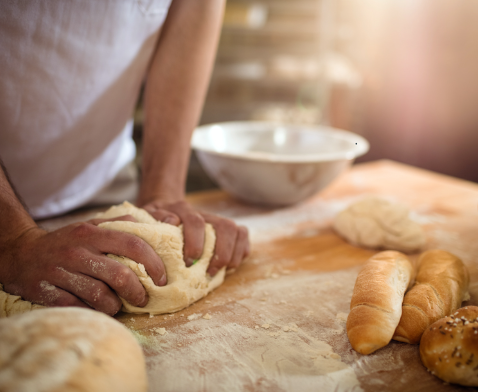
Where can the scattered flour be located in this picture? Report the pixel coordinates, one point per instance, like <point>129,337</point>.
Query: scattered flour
<point>161,331</point>
<point>271,348</point>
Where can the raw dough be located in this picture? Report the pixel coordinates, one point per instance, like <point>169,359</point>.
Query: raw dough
<point>379,224</point>
<point>185,284</point>
<point>11,305</point>
<point>69,350</point>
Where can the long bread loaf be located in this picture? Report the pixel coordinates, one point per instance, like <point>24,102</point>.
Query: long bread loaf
<point>440,287</point>
<point>376,304</point>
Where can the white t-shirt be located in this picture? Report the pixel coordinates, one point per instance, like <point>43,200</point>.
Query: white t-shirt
<point>70,74</point>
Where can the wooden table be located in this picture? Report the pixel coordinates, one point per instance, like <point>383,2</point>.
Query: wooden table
<point>278,323</point>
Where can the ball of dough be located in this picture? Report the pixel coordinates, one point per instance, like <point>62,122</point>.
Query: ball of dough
<point>69,350</point>
<point>378,224</point>
<point>449,347</point>
<point>185,285</point>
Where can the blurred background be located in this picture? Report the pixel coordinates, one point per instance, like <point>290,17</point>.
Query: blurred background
<point>402,73</point>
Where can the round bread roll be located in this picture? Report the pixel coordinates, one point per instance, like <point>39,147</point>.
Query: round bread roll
<point>69,349</point>
<point>449,347</point>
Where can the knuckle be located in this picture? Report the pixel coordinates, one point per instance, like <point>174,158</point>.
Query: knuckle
<point>83,230</point>
<point>226,225</point>
<point>122,278</point>
<point>136,244</point>
<point>180,205</point>
<point>100,295</point>
<point>71,253</point>
<point>196,220</point>
<point>243,232</point>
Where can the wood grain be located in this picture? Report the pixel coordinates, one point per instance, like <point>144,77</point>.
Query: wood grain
<point>307,277</point>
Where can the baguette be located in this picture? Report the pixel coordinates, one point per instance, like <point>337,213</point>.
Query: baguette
<point>376,304</point>
<point>440,287</point>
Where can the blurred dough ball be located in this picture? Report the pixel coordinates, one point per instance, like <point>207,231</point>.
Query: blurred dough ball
<point>69,349</point>
<point>449,347</point>
<point>378,224</point>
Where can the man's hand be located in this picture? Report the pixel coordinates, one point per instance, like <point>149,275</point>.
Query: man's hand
<point>69,267</point>
<point>176,86</point>
<point>232,241</point>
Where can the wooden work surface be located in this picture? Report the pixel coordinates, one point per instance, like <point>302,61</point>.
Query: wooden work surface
<point>276,320</point>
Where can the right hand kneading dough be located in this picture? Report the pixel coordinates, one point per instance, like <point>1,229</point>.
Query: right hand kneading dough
<point>185,285</point>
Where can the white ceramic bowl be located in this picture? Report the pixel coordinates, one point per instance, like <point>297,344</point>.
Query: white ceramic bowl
<point>275,164</point>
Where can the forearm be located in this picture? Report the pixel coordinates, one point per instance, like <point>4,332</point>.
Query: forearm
<point>175,90</point>
<point>14,221</point>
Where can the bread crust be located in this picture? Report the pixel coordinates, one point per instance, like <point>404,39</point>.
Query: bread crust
<point>376,303</point>
<point>449,347</point>
<point>69,350</point>
<point>440,287</point>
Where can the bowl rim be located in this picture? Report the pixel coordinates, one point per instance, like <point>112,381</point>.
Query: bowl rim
<point>361,144</point>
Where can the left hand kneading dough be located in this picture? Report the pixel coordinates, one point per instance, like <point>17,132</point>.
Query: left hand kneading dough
<point>185,285</point>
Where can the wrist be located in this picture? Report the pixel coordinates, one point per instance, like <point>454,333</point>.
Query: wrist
<point>164,194</point>
<point>14,249</point>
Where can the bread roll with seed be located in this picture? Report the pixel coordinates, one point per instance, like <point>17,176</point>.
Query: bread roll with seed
<point>376,304</point>
<point>440,287</point>
<point>69,350</point>
<point>449,347</point>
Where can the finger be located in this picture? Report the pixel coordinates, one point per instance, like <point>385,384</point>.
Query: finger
<point>50,295</point>
<point>92,291</point>
<point>193,230</point>
<point>241,248</point>
<point>117,276</point>
<point>129,218</point>
<point>226,234</point>
<point>122,244</point>
<point>166,217</point>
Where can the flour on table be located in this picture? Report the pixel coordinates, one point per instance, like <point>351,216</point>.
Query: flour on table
<point>379,224</point>
<point>185,285</point>
<point>249,357</point>
<point>161,331</point>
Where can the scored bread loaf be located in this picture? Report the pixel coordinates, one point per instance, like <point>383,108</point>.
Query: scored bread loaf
<point>449,347</point>
<point>376,304</point>
<point>440,287</point>
<point>69,350</point>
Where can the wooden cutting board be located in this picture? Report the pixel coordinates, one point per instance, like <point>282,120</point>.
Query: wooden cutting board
<point>278,322</point>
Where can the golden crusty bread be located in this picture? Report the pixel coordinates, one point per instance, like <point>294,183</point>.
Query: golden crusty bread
<point>69,350</point>
<point>449,347</point>
<point>440,287</point>
<point>376,303</point>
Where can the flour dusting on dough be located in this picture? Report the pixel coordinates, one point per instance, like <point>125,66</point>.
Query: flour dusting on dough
<point>185,284</point>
